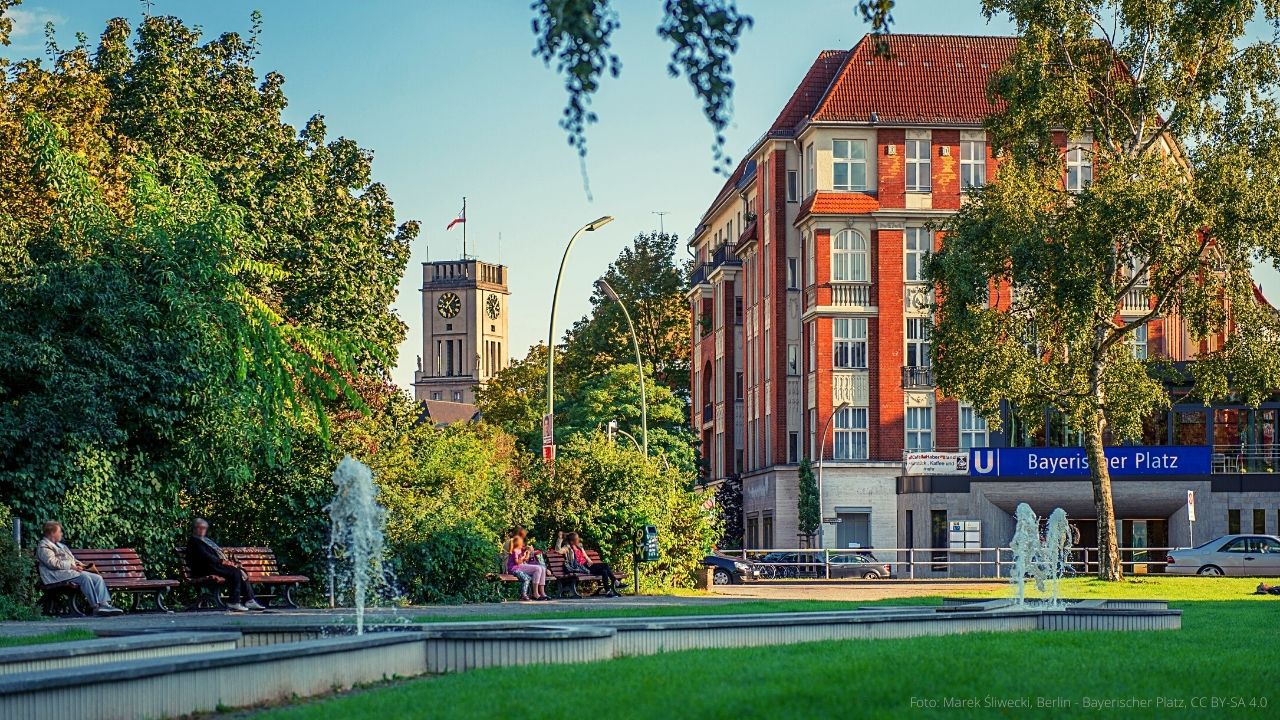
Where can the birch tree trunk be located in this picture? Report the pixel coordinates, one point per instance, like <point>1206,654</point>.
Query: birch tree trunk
<point>1109,566</point>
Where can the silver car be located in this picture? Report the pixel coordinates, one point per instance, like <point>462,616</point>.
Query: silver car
<point>1238,555</point>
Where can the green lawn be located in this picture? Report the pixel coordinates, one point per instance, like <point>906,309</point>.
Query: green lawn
<point>1228,648</point>
<point>59,636</point>
<point>729,608</point>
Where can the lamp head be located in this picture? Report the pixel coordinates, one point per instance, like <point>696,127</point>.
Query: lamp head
<point>599,223</point>
<point>603,286</point>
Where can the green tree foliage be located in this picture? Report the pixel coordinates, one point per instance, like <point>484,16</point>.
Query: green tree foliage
<point>651,281</point>
<point>1185,193</point>
<point>515,399</point>
<point>808,511</point>
<point>615,395</point>
<point>166,93</point>
<point>729,509</point>
<point>607,492</point>
<point>138,360</point>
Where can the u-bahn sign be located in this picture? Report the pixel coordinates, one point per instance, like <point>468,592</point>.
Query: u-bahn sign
<point>1073,462</point>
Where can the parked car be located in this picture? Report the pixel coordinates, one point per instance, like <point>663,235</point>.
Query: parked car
<point>730,571</point>
<point>859,565</point>
<point>1228,555</point>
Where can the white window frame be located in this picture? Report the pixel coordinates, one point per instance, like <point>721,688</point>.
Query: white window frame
<point>813,348</point>
<point>793,359</point>
<point>917,243</point>
<point>973,428</point>
<point>1079,166</point>
<point>849,342</point>
<point>810,254</point>
<point>973,161</point>
<point>919,429</point>
<point>810,171</point>
<point>851,155</point>
<point>793,186</point>
<point>919,164</point>
<point>919,339</point>
<point>1138,341</point>
<point>850,260</point>
<point>850,441</point>
<point>793,273</point>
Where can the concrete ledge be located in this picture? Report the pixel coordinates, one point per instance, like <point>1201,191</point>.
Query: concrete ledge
<point>203,683</point>
<point>459,649</point>
<point>77,653</point>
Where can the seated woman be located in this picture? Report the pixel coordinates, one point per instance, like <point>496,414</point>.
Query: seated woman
<point>520,563</point>
<point>576,561</point>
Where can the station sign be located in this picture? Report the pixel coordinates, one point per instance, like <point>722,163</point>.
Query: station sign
<point>1074,462</point>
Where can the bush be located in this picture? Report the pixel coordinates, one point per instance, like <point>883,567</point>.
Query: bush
<point>446,566</point>
<point>17,576</point>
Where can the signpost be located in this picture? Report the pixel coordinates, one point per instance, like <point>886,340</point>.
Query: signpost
<point>1191,516</point>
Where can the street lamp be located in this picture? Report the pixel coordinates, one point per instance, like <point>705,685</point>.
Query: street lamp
<point>604,287</point>
<point>822,451</point>
<point>555,298</point>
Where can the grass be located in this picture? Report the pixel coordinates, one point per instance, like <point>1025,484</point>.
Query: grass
<point>1226,652</point>
<point>727,608</point>
<point>67,635</point>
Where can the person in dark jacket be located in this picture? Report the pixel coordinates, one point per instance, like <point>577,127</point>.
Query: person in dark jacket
<point>204,557</point>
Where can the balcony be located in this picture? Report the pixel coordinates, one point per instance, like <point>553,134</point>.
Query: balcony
<point>849,386</point>
<point>708,414</point>
<point>726,254</point>
<point>917,376</point>
<point>851,294</point>
<point>699,274</point>
<point>1136,302</point>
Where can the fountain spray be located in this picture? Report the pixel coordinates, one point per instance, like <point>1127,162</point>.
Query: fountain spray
<point>356,522</point>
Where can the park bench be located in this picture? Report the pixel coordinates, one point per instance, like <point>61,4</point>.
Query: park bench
<point>121,569</point>
<point>263,569</point>
<point>567,582</point>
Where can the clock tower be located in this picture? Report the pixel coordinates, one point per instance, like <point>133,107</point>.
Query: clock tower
<point>464,328</point>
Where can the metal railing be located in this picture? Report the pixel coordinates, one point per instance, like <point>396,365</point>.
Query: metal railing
<point>928,563</point>
<point>1245,458</point>
<point>699,274</point>
<point>917,376</point>
<point>725,255</point>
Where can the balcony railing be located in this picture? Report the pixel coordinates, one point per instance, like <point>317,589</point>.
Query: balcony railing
<point>699,274</point>
<point>725,255</point>
<point>851,294</point>
<point>1245,458</point>
<point>1135,302</point>
<point>917,376</point>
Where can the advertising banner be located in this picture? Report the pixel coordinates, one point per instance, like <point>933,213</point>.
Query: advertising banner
<point>937,463</point>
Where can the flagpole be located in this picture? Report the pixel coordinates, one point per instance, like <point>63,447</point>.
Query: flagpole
<point>464,227</point>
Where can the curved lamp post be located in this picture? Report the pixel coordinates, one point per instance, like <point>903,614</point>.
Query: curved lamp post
<point>604,287</point>
<point>555,298</point>
<point>822,452</point>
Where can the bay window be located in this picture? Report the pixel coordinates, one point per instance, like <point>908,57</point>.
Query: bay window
<point>850,434</point>
<point>849,342</point>
<point>849,164</point>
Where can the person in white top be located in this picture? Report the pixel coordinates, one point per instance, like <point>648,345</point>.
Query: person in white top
<point>57,565</point>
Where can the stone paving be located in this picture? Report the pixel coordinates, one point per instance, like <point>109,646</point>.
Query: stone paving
<point>208,620</point>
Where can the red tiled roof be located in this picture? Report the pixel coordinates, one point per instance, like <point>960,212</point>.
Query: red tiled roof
<point>1260,298</point>
<point>928,79</point>
<point>444,412</point>
<point>809,92</point>
<point>837,203</point>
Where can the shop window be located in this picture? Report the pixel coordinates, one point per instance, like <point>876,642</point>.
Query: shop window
<point>1189,427</point>
<point>1233,522</point>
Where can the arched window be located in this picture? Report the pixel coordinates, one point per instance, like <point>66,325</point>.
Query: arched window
<point>849,257</point>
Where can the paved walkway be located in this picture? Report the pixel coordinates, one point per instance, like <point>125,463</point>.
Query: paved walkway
<point>772,590</point>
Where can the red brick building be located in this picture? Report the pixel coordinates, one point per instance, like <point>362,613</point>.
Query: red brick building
<point>808,309</point>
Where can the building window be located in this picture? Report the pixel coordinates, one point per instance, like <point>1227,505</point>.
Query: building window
<point>793,189</point>
<point>1079,167</point>
<point>737,310</point>
<point>919,428</point>
<point>918,164</point>
<point>1233,522</point>
<point>973,428</point>
<point>737,385</point>
<point>918,243</point>
<point>849,257</point>
<point>810,172</point>
<point>1259,521</point>
<point>813,348</point>
<point>849,164</point>
<point>851,434</point>
<point>849,342</point>
<point>793,273</point>
<point>973,163</point>
<point>793,359</point>
<point>436,395</point>
<point>752,533</point>
<point>809,255</point>
<point>1138,340</point>
<point>457,396</point>
<point>919,342</point>
<point>793,447</point>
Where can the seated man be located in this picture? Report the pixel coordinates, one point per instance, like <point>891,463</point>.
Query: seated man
<point>57,565</point>
<point>205,558</point>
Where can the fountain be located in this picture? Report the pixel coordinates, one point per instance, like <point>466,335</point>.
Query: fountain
<point>1042,557</point>
<point>356,522</point>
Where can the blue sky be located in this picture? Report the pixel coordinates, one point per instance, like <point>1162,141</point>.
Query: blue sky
<point>451,101</point>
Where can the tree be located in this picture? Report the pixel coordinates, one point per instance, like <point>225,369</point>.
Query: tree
<point>615,395</point>
<point>515,398</point>
<point>651,281</point>
<point>166,93</point>
<point>729,505</point>
<point>1185,192</point>
<point>808,509</point>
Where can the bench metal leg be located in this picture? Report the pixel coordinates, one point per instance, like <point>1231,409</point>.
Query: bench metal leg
<point>286,598</point>
<point>572,584</point>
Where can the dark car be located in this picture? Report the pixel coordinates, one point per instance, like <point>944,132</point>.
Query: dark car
<point>730,571</point>
<point>859,565</point>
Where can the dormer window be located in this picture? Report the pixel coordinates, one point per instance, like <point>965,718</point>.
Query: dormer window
<point>849,164</point>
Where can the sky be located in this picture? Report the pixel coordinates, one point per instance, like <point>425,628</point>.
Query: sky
<point>451,101</point>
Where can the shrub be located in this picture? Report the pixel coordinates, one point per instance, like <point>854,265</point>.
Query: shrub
<point>17,576</point>
<point>446,566</point>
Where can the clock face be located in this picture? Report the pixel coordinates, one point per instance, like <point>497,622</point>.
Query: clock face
<point>493,306</point>
<point>448,305</point>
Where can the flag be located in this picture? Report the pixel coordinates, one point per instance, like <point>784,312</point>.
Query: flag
<point>462,217</point>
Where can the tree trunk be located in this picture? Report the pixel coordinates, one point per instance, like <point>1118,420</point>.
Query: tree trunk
<point>1109,566</point>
